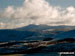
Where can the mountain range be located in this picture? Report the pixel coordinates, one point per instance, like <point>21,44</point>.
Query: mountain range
<point>39,38</point>
<point>37,32</point>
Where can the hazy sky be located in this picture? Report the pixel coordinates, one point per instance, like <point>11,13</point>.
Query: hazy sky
<point>18,13</point>
<point>6,3</point>
<point>62,3</point>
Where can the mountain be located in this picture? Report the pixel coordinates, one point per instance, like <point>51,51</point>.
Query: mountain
<point>35,32</point>
<point>14,35</point>
<point>7,35</point>
<point>24,40</point>
<point>67,34</point>
<point>44,27</point>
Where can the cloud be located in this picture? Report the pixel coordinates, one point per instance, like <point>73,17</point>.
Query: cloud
<point>37,12</point>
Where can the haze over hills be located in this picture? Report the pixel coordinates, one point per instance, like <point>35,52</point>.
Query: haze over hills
<point>45,27</point>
